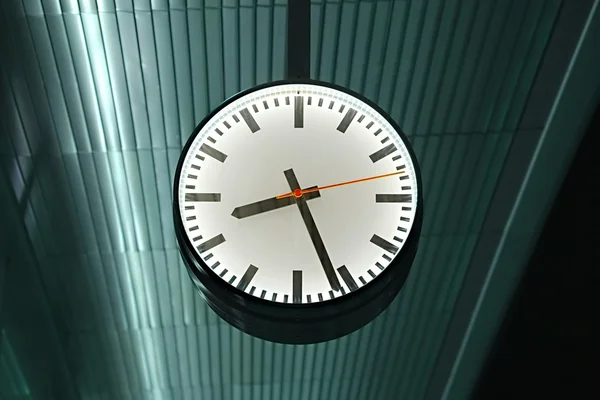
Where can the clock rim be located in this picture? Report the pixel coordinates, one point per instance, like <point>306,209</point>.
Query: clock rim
<point>228,299</point>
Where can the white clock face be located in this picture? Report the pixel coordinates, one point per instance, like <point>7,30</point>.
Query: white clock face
<point>311,246</point>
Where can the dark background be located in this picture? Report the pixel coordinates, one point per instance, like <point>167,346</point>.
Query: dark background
<point>547,342</point>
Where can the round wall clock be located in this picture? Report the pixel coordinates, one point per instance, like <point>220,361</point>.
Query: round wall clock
<point>298,208</point>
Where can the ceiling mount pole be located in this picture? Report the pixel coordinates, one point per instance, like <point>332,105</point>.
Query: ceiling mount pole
<point>298,40</point>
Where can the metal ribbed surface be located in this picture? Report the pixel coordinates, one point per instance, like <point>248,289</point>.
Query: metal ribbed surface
<point>100,95</point>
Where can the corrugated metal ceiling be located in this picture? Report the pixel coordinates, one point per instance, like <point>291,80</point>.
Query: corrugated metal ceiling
<point>99,97</point>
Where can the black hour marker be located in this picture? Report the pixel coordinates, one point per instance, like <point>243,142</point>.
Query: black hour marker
<point>347,277</point>
<point>308,298</point>
<point>189,207</point>
<point>287,100</point>
<point>219,132</point>
<point>377,132</point>
<point>401,229</point>
<point>320,295</point>
<point>247,277</point>
<point>254,108</point>
<point>197,238</point>
<point>379,266</point>
<point>386,257</point>
<point>222,274</point>
<point>210,243</point>
<point>381,153</point>
<point>285,298</point>
<point>405,187</point>
<point>262,294</point>
<point>362,280</point>
<point>210,139</point>
<point>404,219</point>
<point>194,228</point>
<point>193,217</point>
<point>397,239</point>
<point>385,139</point>
<point>274,297</point>
<point>226,124</point>
<point>384,244</point>
<point>393,198</point>
<point>195,166</point>
<point>214,153</point>
<point>208,257</point>
<point>265,105</point>
<point>232,279</point>
<point>342,290</point>
<point>297,286</point>
<point>190,186</point>
<point>203,197</point>
<point>331,294</point>
<point>406,208</point>
<point>369,125</point>
<point>252,289</point>
<point>401,167</point>
<point>342,107</point>
<point>403,177</point>
<point>309,100</point>
<point>192,176</point>
<point>371,273</point>
<point>249,119</point>
<point>235,118</point>
<point>276,102</point>
<point>298,112</point>
<point>360,119</point>
<point>215,265</point>
<point>199,157</point>
<point>350,114</point>
<point>320,102</point>
<point>331,104</point>
<point>395,158</point>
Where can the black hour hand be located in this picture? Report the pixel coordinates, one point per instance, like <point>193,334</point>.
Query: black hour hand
<point>271,204</point>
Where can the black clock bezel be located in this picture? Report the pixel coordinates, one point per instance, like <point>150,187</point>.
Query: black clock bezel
<point>306,322</point>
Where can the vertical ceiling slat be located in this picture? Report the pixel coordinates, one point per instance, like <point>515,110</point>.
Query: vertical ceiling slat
<point>231,42</point>
<point>109,35</point>
<point>406,353</point>
<point>511,37</point>
<point>247,47</point>
<point>330,21</point>
<point>534,59</point>
<point>380,36</point>
<point>362,45</point>
<point>518,61</point>
<point>439,60</point>
<point>166,75</point>
<point>48,67</point>
<point>264,44</point>
<point>142,27</point>
<point>183,78</point>
<point>485,62</point>
<point>345,43</point>
<point>410,50</point>
<point>428,39</point>
<point>279,17</point>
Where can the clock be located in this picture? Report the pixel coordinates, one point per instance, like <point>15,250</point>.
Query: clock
<point>297,208</point>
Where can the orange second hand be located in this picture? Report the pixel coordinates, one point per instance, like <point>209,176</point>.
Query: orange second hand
<point>339,184</point>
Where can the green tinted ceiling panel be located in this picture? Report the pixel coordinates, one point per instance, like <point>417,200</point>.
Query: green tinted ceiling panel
<point>98,99</point>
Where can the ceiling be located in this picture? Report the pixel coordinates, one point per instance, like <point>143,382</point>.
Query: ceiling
<point>98,98</point>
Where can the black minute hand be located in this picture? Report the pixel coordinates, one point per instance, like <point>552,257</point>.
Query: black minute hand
<point>271,204</point>
<point>313,232</point>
